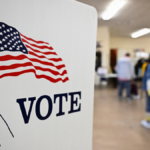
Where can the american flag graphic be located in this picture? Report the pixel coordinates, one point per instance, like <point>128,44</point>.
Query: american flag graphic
<point>20,54</point>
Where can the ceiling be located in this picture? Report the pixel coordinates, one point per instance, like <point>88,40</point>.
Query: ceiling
<point>133,16</point>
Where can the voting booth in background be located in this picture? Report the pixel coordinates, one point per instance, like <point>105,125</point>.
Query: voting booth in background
<point>47,59</point>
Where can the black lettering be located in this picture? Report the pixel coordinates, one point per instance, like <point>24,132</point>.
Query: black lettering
<point>74,102</point>
<point>21,101</point>
<point>60,113</point>
<point>38,113</point>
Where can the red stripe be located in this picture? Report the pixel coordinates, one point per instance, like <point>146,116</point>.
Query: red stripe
<point>52,59</point>
<point>28,64</point>
<point>37,76</point>
<point>21,57</point>
<point>45,53</point>
<point>40,47</point>
<point>39,42</point>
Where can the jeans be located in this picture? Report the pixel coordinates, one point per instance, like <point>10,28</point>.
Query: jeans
<point>127,86</point>
<point>147,103</point>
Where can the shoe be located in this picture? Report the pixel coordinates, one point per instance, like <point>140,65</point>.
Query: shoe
<point>128,99</point>
<point>145,124</point>
<point>135,96</point>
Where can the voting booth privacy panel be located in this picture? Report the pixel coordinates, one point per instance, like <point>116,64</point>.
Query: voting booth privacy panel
<point>47,58</point>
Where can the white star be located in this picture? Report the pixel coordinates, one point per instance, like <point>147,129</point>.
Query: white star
<point>3,39</point>
<point>11,29</point>
<point>13,46</point>
<point>11,34</point>
<point>8,43</point>
<point>0,42</point>
<point>2,48</point>
<point>3,25</point>
<point>18,41</point>
<point>24,50</point>
<point>10,48</point>
<point>6,37</point>
<point>0,27</point>
<point>14,37</point>
<point>14,33</point>
<point>4,31</point>
<point>18,48</point>
<point>5,46</point>
<point>8,30</point>
<point>1,33</point>
<point>20,45</point>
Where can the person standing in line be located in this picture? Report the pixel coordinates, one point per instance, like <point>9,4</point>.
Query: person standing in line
<point>146,87</point>
<point>125,73</point>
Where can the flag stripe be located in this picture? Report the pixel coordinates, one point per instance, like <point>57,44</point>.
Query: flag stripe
<point>14,66</point>
<point>52,59</point>
<point>35,50</point>
<point>38,46</point>
<point>37,76</point>
<point>39,42</point>
<point>21,57</point>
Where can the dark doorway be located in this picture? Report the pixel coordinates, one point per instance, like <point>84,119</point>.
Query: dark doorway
<point>113,59</point>
<point>98,62</point>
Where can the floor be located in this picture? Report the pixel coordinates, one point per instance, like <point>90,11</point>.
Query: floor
<point>117,123</point>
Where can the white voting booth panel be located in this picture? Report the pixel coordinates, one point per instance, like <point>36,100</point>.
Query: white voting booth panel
<point>47,58</point>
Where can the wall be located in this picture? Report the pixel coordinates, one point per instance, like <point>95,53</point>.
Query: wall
<point>129,44</point>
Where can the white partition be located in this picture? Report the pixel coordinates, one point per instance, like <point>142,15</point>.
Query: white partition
<point>47,59</point>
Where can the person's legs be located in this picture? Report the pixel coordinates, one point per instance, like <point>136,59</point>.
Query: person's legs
<point>148,105</point>
<point>120,89</point>
<point>146,122</point>
<point>128,89</point>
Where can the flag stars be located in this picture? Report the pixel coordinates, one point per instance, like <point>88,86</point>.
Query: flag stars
<point>2,48</point>
<point>5,45</point>
<point>3,39</point>
<point>0,42</point>
<point>10,48</point>
<point>3,25</point>
<point>10,29</point>
<point>1,33</point>
<point>7,30</point>
<point>4,31</point>
<point>8,43</point>
<point>6,37</point>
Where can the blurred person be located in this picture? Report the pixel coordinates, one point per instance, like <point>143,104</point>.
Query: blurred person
<point>144,66</point>
<point>125,73</point>
<point>146,87</point>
